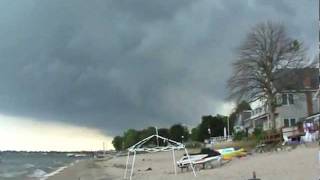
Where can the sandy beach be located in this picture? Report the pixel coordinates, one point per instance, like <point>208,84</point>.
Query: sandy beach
<point>300,163</point>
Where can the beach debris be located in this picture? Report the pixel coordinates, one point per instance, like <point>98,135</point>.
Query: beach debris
<point>288,148</point>
<point>260,148</point>
<point>149,169</point>
<point>254,177</point>
<point>146,159</point>
<point>120,166</point>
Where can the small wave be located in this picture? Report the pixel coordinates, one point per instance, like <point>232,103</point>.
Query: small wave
<point>46,176</point>
<point>38,173</point>
<point>57,162</point>
<point>59,170</point>
<point>28,165</point>
<point>13,174</point>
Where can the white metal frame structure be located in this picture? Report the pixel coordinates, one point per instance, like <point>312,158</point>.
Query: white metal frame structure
<point>172,146</point>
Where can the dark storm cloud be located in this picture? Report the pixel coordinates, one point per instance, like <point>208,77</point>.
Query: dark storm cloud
<point>122,64</point>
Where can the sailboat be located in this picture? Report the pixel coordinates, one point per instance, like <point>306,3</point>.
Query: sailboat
<point>101,155</point>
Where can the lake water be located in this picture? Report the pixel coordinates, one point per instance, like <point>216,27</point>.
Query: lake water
<point>32,166</point>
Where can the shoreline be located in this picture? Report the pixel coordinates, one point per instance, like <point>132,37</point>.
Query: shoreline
<point>296,164</point>
<point>80,169</point>
<point>59,170</point>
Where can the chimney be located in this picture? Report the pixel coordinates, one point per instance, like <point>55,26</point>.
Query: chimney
<point>309,103</point>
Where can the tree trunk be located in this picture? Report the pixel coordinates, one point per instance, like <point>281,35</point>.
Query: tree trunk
<point>271,112</point>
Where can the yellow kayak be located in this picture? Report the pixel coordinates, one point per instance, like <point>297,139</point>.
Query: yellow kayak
<point>229,153</point>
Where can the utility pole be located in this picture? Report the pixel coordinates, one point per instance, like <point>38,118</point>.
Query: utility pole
<point>317,95</point>
<point>157,136</point>
<point>229,125</point>
<point>319,67</point>
<point>104,149</point>
<point>319,64</point>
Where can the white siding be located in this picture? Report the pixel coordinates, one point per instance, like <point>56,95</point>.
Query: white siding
<point>296,110</point>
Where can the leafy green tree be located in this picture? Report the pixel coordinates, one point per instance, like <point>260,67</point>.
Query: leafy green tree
<point>164,132</point>
<point>178,133</point>
<point>243,105</point>
<point>117,143</point>
<point>147,132</point>
<point>216,124</point>
<point>130,137</point>
<point>195,134</point>
<point>186,133</point>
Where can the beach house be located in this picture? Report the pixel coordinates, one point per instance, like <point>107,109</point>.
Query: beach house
<point>295,101</point>
<point>241,119</point>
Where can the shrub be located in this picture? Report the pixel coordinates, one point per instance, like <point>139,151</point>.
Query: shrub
<point>194,145</point>
<point>238,136</point>
<point>258,134</point>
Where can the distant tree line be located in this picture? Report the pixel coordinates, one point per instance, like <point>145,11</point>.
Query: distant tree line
<point>130,137</point>
<point>176,132</point>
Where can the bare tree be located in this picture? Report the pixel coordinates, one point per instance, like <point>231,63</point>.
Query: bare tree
<point>266,49</point>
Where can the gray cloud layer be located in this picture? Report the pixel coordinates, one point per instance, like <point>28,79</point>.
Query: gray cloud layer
<point>120,64</point>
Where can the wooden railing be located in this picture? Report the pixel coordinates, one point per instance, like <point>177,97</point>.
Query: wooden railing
<point>271,138</point>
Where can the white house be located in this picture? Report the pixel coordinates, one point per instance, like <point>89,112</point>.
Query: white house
<point>294,102</point>
<point>240,122</point>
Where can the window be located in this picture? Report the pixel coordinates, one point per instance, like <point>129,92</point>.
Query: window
<point>289,122</point>
<point>292,122</point>
<point>287,99</point>
<point>286,122</point>
<point>290,98</point>
<point>284,99</point>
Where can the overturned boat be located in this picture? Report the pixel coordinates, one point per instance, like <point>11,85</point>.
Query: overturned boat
<point>206,157</point>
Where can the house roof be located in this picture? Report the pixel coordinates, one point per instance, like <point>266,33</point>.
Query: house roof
<point>297,79</point>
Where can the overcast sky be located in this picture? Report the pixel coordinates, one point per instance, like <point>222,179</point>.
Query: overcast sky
<point>118,64</point>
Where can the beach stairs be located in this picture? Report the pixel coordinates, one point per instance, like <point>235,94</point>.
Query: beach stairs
<point>272,138</point>
<point>269,138</point>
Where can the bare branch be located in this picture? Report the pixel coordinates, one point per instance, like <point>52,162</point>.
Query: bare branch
<point>266,50</point>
